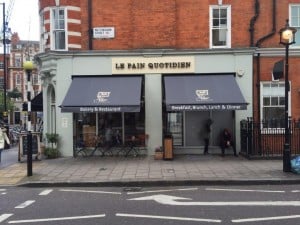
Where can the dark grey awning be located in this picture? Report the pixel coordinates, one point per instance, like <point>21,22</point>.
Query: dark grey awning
<point>203,92</point>
<point>103,94</point>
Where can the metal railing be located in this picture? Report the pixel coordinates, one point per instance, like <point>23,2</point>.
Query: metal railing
<point>266,138</point>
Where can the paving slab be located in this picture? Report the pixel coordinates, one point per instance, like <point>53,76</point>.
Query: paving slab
<point>145,170</point>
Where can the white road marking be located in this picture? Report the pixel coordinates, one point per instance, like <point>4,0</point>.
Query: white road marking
<point>165,190</point>
<point>295,191</point>
<point>97,192</point>
<point>243,190</point>
<point>4,217</point>
<point>57,219</point>
<point>46,192</point>
<point>2,189</point>
<point>25,204</point>
<point>3,193</point>
<point>265,219</point>
<point>167,217</point>
<point>172,200</point>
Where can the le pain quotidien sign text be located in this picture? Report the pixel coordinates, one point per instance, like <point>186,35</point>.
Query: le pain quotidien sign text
<point>153,65</point>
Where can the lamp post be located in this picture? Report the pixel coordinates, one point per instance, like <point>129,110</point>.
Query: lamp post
<point>287,38</point>
<point>28,67</point>
<point>5,115</point>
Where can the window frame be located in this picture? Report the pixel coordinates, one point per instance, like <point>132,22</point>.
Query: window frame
<point>55,30</point>
<point>17,61</point>
<point>18,80</point>
<point>262,95</point>
<point>35,79</point>
<point>297,44</point>
<point>228,27</point>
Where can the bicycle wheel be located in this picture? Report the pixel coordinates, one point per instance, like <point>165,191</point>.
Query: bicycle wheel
<point>80,153</point>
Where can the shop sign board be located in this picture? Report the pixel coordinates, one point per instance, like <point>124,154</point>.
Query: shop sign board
<point>25,144</point>
<point>153,65</point>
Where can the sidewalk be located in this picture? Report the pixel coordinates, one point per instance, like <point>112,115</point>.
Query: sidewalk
<point>144,170</point>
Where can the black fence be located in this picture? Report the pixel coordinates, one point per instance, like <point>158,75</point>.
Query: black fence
<point>266,139</point>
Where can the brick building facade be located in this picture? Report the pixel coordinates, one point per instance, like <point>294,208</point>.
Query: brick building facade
<point>219,37</point>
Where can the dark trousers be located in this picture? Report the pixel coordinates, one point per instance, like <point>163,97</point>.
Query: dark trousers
<point>224,145</point>
<point>206,143</point>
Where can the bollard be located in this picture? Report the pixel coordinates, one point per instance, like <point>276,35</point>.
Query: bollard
<point>29,154</point>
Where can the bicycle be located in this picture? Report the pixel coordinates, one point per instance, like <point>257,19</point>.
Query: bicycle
<point>79,149</point>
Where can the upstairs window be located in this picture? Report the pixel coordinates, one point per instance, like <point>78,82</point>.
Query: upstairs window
<point>295,22</point>
<point>18,61</point>
<point>18,79</point>
<point>220,26</point>
<point>58,24</point>
<point>35,79</point>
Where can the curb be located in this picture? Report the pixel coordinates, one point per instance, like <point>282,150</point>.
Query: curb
<point>159,183</point>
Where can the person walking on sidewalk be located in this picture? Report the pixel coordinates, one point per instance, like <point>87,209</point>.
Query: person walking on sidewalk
<point>3,139</point>
<point>206,134</point>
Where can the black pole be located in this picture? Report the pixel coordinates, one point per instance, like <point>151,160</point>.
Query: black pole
<point>29,154</point>
<point>5,115</point>
<point>286,148</point>
<point>29,134</point>
<point>4,56</point>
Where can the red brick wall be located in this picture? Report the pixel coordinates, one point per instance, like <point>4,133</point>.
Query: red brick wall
<point>172,24</point>
<point>143,24</point>
<point>267,64</point>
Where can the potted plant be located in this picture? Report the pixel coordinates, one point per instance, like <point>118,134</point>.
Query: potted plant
<point>51,151</point>
<point>158,153</point>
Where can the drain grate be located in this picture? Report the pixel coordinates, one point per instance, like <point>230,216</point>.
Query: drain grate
<point>132,189</point>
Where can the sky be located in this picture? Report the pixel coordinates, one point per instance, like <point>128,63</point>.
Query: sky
<point>24,18</point>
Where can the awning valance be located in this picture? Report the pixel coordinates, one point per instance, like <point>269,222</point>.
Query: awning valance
<point>103,94</point>
<point>203,92</point>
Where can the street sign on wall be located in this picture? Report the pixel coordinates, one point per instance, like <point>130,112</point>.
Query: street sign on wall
<point>103,32</point>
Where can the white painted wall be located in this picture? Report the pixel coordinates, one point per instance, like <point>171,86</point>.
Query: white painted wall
<point>153,108</point>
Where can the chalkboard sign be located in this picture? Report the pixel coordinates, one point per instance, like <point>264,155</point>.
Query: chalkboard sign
<point>34,144</point>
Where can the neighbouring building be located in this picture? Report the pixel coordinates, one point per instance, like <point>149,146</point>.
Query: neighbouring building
<point>21,51</point>
<point>153,68</point>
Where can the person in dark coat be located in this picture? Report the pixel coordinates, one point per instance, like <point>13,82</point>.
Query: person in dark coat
<point>227,142</point>
<point>206,134</point>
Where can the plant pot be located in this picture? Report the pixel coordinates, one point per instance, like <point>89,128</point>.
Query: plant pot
<point>158,155</point>
<point>42,147</point>
<point>51,153</point>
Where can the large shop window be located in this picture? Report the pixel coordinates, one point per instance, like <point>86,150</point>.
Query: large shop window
<point>273,104</point>
<point>123,125</point>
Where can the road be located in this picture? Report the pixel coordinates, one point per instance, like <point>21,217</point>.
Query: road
<point>245,205</point>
